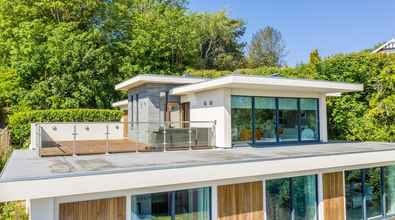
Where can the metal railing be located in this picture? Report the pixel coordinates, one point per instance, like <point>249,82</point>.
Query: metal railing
<point>61,139</point>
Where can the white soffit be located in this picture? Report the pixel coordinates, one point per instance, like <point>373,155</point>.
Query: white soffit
<point>269,83</point>
<point>163,79</point>
<point>120,104</point>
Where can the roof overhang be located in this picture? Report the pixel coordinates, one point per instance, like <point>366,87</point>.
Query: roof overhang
<point>270,84</point>
<point>161,79</point>
<point>123,104</point>
<point>237,164</point>
<point>383,46</point>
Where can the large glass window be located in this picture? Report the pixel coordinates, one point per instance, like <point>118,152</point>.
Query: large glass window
<point>292,198</point>
<point>192,204</point>
<point>370,193</point>
<point>241,119</point>
<point>265,119</point>
<point>373,192</point>
<point>308,119</point>
<point>269,119</point>
<point>354,194</point>
<point>288,119</point>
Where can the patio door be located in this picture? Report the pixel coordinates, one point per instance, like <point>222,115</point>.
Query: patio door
<point>185,114</point>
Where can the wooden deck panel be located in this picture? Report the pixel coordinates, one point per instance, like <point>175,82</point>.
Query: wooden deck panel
<point>240,201</point>
<point>103,209</point>
<point>88,147</point>
<point>334,199</point>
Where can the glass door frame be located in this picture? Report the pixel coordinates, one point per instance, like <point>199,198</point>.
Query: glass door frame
<point>256,143</point>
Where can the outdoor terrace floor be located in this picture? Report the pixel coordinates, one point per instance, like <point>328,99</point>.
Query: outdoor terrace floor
<point>27,165</point>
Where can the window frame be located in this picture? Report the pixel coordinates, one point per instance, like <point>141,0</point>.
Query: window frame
<point>291,210</point>
<point>383,214</point>
<point>256,143</point>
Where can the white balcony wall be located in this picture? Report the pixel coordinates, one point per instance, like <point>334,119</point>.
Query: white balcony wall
<point>41,132</point>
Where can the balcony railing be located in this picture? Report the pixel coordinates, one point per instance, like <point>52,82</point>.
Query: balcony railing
<point>61,139</point>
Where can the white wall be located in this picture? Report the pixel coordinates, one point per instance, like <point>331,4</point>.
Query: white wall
<point>64,132</point>
<point>212,105</point>
<point>42,209</point>
<point>218,109</point>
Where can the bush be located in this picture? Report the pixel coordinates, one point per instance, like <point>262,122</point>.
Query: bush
<point>13,211</point>
<point>20,122</point>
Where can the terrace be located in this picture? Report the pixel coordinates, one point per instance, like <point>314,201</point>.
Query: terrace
<point>66,139</point>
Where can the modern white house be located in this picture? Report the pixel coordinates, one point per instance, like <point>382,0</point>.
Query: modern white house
<point>231,148</point>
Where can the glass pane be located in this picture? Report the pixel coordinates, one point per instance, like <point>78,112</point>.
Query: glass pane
<point>354,201</point>
<point>277,198</point>
<point>288,119</point>
<point>309,119</point>
<point>304,198</point>
<point>389,189</point>
<point>265,119</point>
<point>193,204</point>
<point>155,206</point>
<point>241,119</point>
<point>373,192</point>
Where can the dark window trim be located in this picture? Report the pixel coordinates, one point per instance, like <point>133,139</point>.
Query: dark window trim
<point>278,143</point>
<point>291,209</point>
<point>172,200</point>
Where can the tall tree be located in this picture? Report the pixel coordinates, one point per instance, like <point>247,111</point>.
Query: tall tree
<point>267,48</point>
<point>220,46</point>
<point>314,57</point>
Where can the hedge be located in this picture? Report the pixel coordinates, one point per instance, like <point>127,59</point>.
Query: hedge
<point>20,122</point>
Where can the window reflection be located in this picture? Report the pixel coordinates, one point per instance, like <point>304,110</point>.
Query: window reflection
<point>308,119</point>
<point>288,119</point>
<point>265,119</point>
<point>192,204</point>
<point>241,119</point>
<point>292,198</point>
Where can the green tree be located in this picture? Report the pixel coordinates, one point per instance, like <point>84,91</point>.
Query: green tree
<point>314,57</point>
<point>267,48</point>
<point>220,46</point>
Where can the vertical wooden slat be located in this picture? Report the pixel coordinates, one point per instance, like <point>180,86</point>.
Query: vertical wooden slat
<point>103,209</point>
<point>240,201</point>
<point>334,199</point>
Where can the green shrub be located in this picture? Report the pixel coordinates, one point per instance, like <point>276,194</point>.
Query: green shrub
<point>20,122</point>
<point>13,211</point>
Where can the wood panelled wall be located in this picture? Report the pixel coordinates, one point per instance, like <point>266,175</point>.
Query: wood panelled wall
<point>103,209</point>
<point>334,199</point>
<point>240,201</point>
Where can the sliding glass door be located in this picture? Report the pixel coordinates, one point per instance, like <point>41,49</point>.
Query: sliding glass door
<point>192,204</point>
<point>265,119</point>
<point>288,129</point>
<point>241,119</point>
<point>260,120</point>
<point>292,198</point>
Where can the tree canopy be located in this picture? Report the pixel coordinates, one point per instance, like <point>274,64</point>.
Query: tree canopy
<point>267,48</point>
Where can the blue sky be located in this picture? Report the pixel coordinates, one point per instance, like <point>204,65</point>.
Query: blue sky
<point>331,26</point>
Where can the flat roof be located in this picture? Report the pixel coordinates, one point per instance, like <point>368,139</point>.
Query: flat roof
<point>268,83</point>
<point>151,78</point>
<point>27,175</point>
<point>120,104</point>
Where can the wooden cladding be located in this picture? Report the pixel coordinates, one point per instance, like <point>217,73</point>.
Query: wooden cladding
<point>103,209</point>
<point>334,199</point>
<point>240,201</point>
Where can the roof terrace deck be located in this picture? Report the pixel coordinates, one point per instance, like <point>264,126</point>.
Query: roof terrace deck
<point>26,165</point>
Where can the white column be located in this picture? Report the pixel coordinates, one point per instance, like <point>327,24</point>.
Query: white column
<point>320,197</point>
<point>323,119</point>
<point>264,199</point>
<point>42,209</point>
<point>214,202</point>
<point>128,207</point>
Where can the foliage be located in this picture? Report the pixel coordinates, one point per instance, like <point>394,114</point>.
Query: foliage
<point>13,211</point>
<point>267,48</point>
<point>314,57</point>
<point>219,43</point>
<point>20,122</point>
